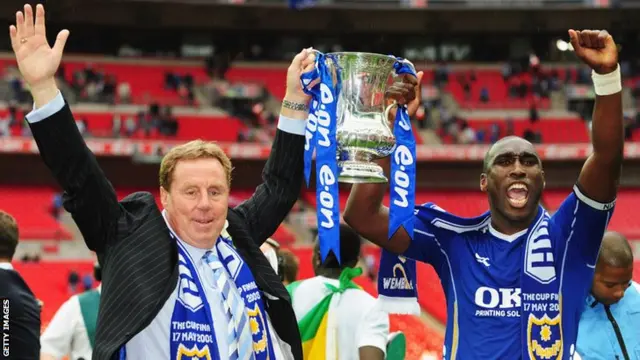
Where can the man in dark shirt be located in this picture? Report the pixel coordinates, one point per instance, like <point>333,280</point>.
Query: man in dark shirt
<point>21,334</point>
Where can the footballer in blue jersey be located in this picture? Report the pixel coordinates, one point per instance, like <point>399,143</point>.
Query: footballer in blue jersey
<point>516,277</point>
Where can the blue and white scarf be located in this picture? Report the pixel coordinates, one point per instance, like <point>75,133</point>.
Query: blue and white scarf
<point>397,287</point>
<point>320,137</point>
<point>192,334</point>
<point>541,299</point>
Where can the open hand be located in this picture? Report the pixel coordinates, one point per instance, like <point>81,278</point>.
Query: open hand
<point>37,61</point>
<point>405,91</point>
<point>595,48</point>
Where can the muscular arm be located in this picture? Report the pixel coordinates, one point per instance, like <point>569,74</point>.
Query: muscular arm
<point>370,353</point>
<point>282,179</point>
<point>366,214</point>
<point>88,195</point>
<point>600,174</point>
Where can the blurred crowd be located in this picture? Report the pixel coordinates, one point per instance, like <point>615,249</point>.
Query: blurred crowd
<point>528,83</point>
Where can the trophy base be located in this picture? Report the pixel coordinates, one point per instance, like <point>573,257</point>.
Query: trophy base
<point>355,172</point>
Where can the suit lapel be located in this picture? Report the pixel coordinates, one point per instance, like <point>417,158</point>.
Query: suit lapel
<point>266,278</point>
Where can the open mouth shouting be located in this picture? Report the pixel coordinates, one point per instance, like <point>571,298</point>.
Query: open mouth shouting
<point>518,195</point>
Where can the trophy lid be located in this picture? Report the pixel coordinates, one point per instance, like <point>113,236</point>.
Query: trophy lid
<point>361,62</point>
<point>362,56</point>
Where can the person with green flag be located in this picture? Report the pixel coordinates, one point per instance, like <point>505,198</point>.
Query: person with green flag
<point>337,319</point>
<point>72,330</point>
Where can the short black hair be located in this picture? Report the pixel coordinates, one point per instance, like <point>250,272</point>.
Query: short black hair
<point>350,244</point>
<point>9,235</point>
<point>615,251</point>
<point>97,271</point>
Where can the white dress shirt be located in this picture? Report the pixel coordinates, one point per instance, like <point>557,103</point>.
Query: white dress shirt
<point>66,334</point>
<point>360,320</point>
<point>153,343</point>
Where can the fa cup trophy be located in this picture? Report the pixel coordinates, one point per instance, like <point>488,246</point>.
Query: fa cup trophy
<point>362,133</point>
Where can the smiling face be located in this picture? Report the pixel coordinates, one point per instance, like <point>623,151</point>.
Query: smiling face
<point>194,191</point>
<point>514,180</point>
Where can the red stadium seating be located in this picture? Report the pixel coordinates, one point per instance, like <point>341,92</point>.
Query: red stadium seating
<point>553,131</point>
<point>623,220</point>
<point>498,91</point>
<point>420,338</point>
<point>49,282</point>
<point>430,293</point>
<point>223,128</point>
<point>32,208</point>
<point>146,80</point>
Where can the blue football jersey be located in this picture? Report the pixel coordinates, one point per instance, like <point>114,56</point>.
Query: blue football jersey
<point>480,270</point>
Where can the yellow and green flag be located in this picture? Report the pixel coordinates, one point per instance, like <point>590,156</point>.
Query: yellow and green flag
<point>313,326</point>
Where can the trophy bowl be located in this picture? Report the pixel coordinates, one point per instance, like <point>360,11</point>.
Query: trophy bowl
<point>362,128</point>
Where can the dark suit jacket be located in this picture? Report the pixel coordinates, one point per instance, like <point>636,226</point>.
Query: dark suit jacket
<point>138,258</point>
<point>24,317</point>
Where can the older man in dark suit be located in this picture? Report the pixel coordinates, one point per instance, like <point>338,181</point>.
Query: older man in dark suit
<point>20,338</point>
<point>173,286</point>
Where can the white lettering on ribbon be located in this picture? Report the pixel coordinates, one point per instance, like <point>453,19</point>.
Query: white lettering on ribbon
<point>327,178</point>
<point>402,156</point>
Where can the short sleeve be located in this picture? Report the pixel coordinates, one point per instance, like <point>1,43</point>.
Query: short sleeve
<point>430,239</point>
<point>57,337</point>
<point>581,221</point>
<point>424,246</point>
<point>374,329</point>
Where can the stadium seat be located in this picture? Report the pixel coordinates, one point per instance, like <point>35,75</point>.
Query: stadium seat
<point>32,208</point>
<point>49,282</point>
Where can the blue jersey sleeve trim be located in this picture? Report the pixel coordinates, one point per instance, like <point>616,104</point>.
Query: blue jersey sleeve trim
<point>592,203</point>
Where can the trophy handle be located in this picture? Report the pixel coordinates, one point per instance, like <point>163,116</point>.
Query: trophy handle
<point>387,110</point>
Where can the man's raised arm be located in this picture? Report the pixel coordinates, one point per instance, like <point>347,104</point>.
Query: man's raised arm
<point>88,195</point>
<point>600,174</point>
<point>365,212</point>
<point>283,173</point>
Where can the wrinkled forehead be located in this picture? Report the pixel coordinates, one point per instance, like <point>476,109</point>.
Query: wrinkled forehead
<point>515,146</point>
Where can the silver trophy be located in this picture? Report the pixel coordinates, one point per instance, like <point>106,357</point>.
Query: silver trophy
<point>363,133</point>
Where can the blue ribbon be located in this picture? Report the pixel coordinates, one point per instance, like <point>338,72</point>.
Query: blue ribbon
<point>320,136</point>
<point>403,165</point>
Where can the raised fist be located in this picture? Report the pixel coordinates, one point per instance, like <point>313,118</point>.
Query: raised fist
<point>405,91</point>
<point>595,48</point>
<point>303,62</point>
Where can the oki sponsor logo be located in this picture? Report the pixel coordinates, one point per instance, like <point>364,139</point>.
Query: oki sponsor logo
<point>501,302</point>
<point>502,298</point>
